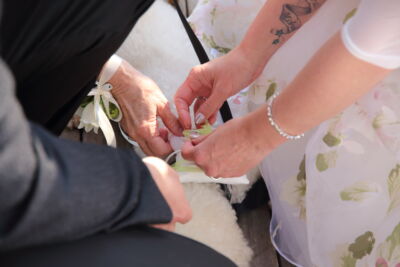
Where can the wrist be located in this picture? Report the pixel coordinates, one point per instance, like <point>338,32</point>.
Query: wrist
<point>249,62</point>
<point>261,131</point>
<point>255,59</point>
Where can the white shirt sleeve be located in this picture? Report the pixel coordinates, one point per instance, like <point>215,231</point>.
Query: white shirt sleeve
<point>373,34</point>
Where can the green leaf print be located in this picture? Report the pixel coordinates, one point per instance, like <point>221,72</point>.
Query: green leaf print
<point>301,176</point>
<point>348,261</point>
<point>363,245</point>
<point>271,90</point>
<point>349,15</point>
<point>213,14</point>
<point>358,191</point>
<point>394,242</point>
<point>394,187</point>
<point>326,160</point>
<point>211,42</point>
<point>331,140</point>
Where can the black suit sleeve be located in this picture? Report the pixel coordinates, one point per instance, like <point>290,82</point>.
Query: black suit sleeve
<point>54,190</point>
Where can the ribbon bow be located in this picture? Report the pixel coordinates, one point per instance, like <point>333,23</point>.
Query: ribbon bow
<point>100,106</point>
<point>96,112</point>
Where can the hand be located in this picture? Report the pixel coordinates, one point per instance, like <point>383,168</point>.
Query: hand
<point>235,147</point>
<point>170,187</point>
<point>214,81</point>
<point>141,101</point>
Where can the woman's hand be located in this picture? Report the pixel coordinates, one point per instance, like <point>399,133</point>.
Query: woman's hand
<point>235,147</point>
<point>141,101</point>
<point>168,183</point>
<point>212,83</point>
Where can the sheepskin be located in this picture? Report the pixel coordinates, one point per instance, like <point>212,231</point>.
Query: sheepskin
<point>158,47</point>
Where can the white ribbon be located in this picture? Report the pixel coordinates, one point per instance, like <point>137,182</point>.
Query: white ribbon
<point>98,114</point>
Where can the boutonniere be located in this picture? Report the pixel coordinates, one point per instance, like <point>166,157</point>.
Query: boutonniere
<point>99,107</point>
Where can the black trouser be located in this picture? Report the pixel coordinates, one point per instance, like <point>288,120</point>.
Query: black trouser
<point>131,248</point>
<point>56,49</point>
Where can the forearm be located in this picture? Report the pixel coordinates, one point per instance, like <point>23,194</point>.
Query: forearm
<point>276,22</point>
<point>330,82</point>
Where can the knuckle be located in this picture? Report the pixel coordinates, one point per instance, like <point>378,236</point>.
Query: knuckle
<point>188,216</point>
<point>195,71</point>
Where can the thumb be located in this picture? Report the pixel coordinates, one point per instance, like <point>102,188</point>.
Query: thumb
<point>188,151</point>
<point>208,108</point>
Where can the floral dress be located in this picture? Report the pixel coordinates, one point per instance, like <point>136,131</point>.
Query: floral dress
<point>335,193</point>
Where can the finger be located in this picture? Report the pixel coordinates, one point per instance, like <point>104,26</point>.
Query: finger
<point>159,147</point>
<point>200,101</point>
<point>198,140</point>
<point>213,118</point>
<point>187,93</point>
<point>188,151</point>
<point>208,108</point>
<point>170,120</point>
<point>164,134</point>
<point>166,227</point>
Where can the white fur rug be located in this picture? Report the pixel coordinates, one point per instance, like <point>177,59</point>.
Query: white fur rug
<point>158,47</point>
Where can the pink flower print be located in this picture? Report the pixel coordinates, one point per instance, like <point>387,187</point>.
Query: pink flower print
<point>237,100</point>
<point>397,265</point>
<point>381,262</point>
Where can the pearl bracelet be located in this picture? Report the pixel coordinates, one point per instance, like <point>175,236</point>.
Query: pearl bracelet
<point>276,126</point>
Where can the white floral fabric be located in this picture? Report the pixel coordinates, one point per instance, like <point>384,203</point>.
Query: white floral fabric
<point>336,193</point>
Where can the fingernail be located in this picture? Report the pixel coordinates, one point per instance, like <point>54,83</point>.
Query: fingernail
<point>199,118</point>
<point>194,135</point>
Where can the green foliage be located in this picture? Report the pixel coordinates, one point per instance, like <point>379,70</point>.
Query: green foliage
<point>114,111</point>
<point>86,101</point>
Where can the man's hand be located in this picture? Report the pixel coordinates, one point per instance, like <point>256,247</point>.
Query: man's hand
<point>170,187</point>
<point>141,101</point>
<point>211,84</point>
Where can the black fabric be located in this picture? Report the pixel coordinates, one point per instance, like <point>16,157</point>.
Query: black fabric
<point>56,49</point>
<point>135,247</point>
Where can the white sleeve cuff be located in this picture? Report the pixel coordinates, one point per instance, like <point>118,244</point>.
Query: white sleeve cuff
<point>384,61</point>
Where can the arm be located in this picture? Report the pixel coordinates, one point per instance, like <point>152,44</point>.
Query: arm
<point>54,190</point>
<point>333,79</point>
<point>276,22</point>
<point>311,98</point>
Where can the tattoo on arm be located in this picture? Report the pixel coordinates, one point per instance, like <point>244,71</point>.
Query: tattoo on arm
<point>290,16</point>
